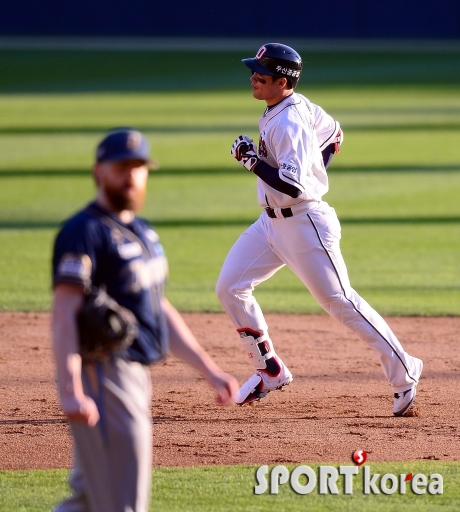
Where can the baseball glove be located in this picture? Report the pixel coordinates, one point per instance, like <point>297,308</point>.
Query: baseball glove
<point>104,326</point>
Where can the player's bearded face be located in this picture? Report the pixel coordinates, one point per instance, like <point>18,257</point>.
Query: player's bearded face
<point>124,184</point>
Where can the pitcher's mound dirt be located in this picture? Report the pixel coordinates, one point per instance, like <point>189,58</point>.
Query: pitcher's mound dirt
<point>338,402</point>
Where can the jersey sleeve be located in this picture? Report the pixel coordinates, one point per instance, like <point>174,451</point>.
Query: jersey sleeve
<point>271,177</point>
<point>288,143</point>
<point>326,127</point>
<point>75,253</point>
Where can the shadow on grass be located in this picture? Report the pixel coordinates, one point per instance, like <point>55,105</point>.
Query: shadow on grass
<point>101,130</point>
<point>243,222</point>
<point>171,171</point>
<point>102,71</point>
<point>196,129</point>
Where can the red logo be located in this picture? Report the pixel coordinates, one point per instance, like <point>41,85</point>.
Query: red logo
<point>263,152</point>
<point>359,457</point>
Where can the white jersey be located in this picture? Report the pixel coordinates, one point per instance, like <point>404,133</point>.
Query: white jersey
<point>292,135</point>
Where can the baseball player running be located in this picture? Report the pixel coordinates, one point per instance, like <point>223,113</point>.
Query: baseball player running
<point>107,399</point>
<point>297,228</point>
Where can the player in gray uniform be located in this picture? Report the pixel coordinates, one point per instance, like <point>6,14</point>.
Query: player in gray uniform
<point>298,229</point>
<point>107,401</point>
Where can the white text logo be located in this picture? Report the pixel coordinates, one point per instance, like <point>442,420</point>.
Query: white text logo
<point>331,480</point>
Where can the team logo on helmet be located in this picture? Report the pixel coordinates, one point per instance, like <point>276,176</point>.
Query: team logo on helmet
<point>261,51</point>
<point>287,71</point>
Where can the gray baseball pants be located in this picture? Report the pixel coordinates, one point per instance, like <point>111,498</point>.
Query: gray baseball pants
<point>112,461</point>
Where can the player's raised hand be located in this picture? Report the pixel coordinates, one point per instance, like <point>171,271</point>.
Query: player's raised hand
<point>244,150</point>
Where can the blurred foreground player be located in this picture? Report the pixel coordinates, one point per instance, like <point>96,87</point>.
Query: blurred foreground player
<point>107,398</point>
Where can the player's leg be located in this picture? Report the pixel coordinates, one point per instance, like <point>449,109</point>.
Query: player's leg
<point>320,265</point>
<point>78,501</point>
<point>131,434</point>
<point>250,262</point>
<point>114,457</point>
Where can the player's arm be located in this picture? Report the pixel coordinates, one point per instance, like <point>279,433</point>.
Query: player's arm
<point>184,345</point>
<point>329,133</point>
<point>75,404</point>
<point>245,151</point>
<point>332,148</point>
<point>271,176</point>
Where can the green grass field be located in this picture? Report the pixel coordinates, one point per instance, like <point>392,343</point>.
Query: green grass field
<point>395,186</point>
<point>224,488</point>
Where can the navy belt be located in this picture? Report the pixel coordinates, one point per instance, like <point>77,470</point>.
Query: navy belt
<point>285,212</point>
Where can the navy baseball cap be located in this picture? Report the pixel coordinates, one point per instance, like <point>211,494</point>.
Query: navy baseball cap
<point>123,144</point>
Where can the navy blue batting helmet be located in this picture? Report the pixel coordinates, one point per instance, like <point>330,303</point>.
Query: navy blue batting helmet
<point>276,59</point>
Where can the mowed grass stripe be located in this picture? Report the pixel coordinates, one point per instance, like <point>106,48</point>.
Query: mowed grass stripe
<point>401,269</point>
<point>365,150</point>
<point>358,197</point>
<point>66,71</point>
<point>355,106</point>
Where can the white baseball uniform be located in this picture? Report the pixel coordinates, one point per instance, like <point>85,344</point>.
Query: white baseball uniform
<point>305,236</point>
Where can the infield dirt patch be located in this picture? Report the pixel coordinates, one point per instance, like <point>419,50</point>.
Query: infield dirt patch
<point>338,402</point>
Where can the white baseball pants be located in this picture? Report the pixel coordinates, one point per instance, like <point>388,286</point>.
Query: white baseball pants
<point>309,244</point>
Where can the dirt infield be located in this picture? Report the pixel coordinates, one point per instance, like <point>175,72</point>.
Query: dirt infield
<point>338,402</point>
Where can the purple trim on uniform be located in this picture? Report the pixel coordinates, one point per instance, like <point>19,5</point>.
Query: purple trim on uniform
<point>267,111</point>
<point>271,107</point>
